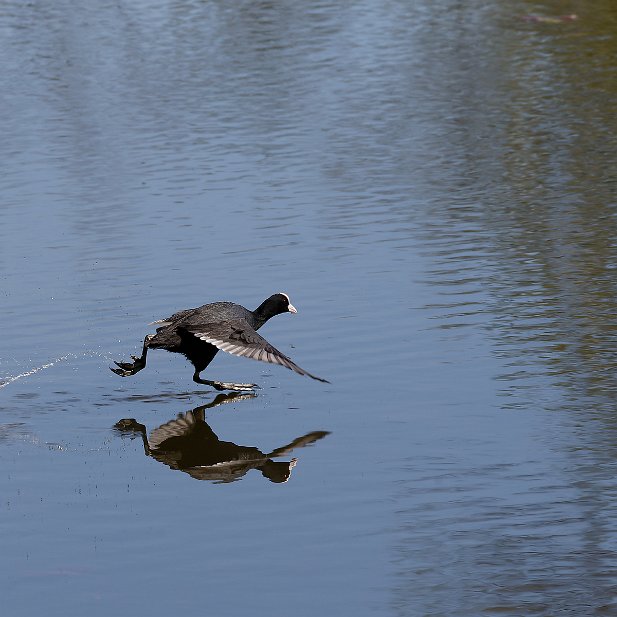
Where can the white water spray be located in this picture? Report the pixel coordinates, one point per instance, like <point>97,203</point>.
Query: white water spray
<point>5,381</point>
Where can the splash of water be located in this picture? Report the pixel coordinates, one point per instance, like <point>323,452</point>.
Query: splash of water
<point>5,381</point>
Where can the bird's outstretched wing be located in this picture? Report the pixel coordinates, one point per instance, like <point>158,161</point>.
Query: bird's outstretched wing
<point>240,339</point>
<point>179,427</point>
<point>299,442</point>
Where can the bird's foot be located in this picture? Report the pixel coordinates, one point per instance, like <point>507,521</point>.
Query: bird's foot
<point>242,387</point>
<point>126,369</point>
<point>226,385</point>
<point>128,425</point>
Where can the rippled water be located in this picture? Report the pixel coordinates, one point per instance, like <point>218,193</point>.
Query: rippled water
<point>433,184</point>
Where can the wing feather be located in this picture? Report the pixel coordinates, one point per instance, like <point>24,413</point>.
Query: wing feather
<point>240,339</point>
<point>179,427</point>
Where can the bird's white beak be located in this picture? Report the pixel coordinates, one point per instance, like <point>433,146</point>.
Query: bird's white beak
<point>292,309</point>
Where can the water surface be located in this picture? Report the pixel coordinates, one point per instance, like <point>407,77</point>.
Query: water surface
<point>432,184</point>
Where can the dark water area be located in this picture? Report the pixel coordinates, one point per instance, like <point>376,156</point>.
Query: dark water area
<point>433,184</point>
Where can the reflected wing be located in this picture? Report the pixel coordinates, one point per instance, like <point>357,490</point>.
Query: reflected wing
<point>179,427</point>
<point>300,442</point>
<point>239,339</point>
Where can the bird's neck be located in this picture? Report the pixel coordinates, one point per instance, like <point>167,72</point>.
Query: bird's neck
<point>262,313</point>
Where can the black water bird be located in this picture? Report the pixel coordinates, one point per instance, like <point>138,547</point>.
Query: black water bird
<point>199,333</point>
<point>188,444</point>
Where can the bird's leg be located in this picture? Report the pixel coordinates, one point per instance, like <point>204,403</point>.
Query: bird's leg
<point>125,369</point>
<point>224,385</point>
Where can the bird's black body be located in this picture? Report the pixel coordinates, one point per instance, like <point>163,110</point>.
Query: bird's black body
<point>177,336</point>
<point>201,332</point>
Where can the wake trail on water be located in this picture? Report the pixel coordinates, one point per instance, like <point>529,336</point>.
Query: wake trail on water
<point>90,353</point>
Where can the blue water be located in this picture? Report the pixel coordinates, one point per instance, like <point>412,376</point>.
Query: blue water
<point>433,186</point>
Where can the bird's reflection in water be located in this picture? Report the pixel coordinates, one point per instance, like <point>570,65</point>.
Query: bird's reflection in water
<point>190,445</point>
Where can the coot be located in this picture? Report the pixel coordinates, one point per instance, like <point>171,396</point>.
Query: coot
<point>199,333</point>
